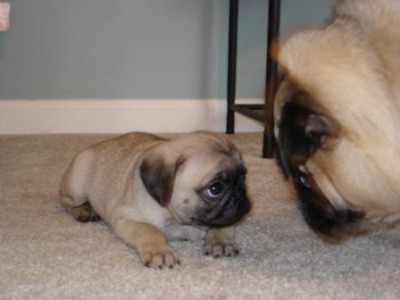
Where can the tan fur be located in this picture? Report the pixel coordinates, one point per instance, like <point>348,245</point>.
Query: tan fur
<point>108,180</point>
<point>350,70</point>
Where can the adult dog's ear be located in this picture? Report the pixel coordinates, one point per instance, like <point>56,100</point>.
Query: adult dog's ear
<point>301,133</point>
<point>158,176</point>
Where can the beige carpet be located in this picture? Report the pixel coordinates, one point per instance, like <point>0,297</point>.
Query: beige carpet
<point>45,254</point>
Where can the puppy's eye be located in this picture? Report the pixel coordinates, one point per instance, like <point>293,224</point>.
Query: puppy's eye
<point>215,190</point>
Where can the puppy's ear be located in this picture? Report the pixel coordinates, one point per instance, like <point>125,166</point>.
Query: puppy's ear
<point>158,176</point>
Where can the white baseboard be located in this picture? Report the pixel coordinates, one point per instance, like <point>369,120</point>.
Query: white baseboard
<point>117,116</point>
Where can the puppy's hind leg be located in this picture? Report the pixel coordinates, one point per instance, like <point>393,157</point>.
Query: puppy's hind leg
<point>72,190</point>
<point>81,213</point>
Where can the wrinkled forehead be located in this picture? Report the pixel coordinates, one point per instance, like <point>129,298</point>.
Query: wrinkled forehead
<point>192,143</point>
<point>206,161</point>
<point>205,167</point>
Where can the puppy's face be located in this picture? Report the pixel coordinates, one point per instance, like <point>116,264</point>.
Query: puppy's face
<point>199,178</point>
<point>336,124</point>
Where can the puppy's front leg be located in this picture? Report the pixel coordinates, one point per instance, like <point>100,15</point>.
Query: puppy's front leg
<point>220,242</point>
<point>148,241</point>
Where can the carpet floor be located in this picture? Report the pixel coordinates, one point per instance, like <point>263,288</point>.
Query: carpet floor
<point>45,254</point>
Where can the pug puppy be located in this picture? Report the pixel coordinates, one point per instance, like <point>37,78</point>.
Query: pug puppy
<point>337,118</point>
<point>150,190</point>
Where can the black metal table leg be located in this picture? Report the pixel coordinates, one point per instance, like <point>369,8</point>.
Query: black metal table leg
<point>232,53</point>
<point>271,78</point>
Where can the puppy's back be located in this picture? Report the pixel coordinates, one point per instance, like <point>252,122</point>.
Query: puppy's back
<point>99,173</point>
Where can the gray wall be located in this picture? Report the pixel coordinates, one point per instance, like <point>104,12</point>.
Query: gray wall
<point>137,48</point>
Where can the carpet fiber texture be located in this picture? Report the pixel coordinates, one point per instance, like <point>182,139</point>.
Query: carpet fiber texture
<point>45,254</point>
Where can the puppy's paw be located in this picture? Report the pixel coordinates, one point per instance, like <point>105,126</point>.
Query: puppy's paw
<point>219,249</point>
<point>219,242</point>
<point>159,257</point>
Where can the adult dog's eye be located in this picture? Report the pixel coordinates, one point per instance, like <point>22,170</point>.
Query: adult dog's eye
<point>304,181</point>
<point>215,190</point>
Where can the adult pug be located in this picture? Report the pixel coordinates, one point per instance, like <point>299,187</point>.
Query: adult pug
<point>149,189</point>
<point>338,117</point>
